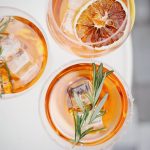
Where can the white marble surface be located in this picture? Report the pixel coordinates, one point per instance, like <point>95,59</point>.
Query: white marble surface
<point>20,124</point>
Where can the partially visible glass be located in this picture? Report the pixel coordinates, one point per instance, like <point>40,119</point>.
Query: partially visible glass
<point>23,52</point>
<point>55,114</point>
<point>69,25</point>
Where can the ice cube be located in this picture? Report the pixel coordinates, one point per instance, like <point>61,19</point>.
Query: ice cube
<point>81,87</point>
<point>18,61</point>
<point>9,45</point>
<point>73,7</point>
<point>29,74</point>
<point>14,53</point>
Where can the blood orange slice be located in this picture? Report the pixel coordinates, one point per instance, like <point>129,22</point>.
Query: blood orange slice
<point>102,23</point>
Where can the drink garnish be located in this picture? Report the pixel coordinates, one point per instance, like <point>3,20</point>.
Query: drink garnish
<point>101,23</point>
<point>87,116</point>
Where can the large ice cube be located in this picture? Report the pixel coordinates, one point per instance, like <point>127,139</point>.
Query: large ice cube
<point>29,74</point>
<point>81,87</point>
<point>9,45</point>
<point>14,53</point>
<point>19,61</point>
<point>73,7</point>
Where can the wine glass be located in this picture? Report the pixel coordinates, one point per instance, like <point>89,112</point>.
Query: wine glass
<point>23,52</point>
<point>54,106</point>
<point>90,28</point>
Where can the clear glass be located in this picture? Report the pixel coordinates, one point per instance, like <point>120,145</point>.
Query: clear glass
<point>63,17</point>
<point>105,141</point>
<point>28,60</point>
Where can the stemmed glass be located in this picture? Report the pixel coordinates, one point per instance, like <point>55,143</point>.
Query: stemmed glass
<point>23,52</point>
<point>90,28</point>
<point>58,120</point>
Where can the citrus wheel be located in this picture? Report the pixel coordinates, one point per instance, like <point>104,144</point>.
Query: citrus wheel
<point>102,23</point>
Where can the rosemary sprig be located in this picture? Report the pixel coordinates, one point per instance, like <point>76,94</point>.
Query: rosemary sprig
<point>88,116</point>
<point>78,101</point>
<point>98,81</point>
<point>98,108</point>
<point>79,121</point>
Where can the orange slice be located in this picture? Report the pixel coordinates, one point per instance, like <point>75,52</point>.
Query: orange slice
<point>102,23</point>
<point>5,83</point>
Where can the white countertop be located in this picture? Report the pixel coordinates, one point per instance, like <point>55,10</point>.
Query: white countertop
<point>20,124</point>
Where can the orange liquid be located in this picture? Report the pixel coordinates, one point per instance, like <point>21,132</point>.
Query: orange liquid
<point>59,10</point>
<point>35,49</point>
<point>56,104</point>
<point>60,7</point>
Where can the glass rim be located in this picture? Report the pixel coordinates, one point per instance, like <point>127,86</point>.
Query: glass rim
<point>50,131</point>
<point>29,17</point>
<point>50,14</point>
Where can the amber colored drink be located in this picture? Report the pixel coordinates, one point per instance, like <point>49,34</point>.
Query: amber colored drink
<point>24,51</point>
<point>68,25</point>
<point>58,114</point>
